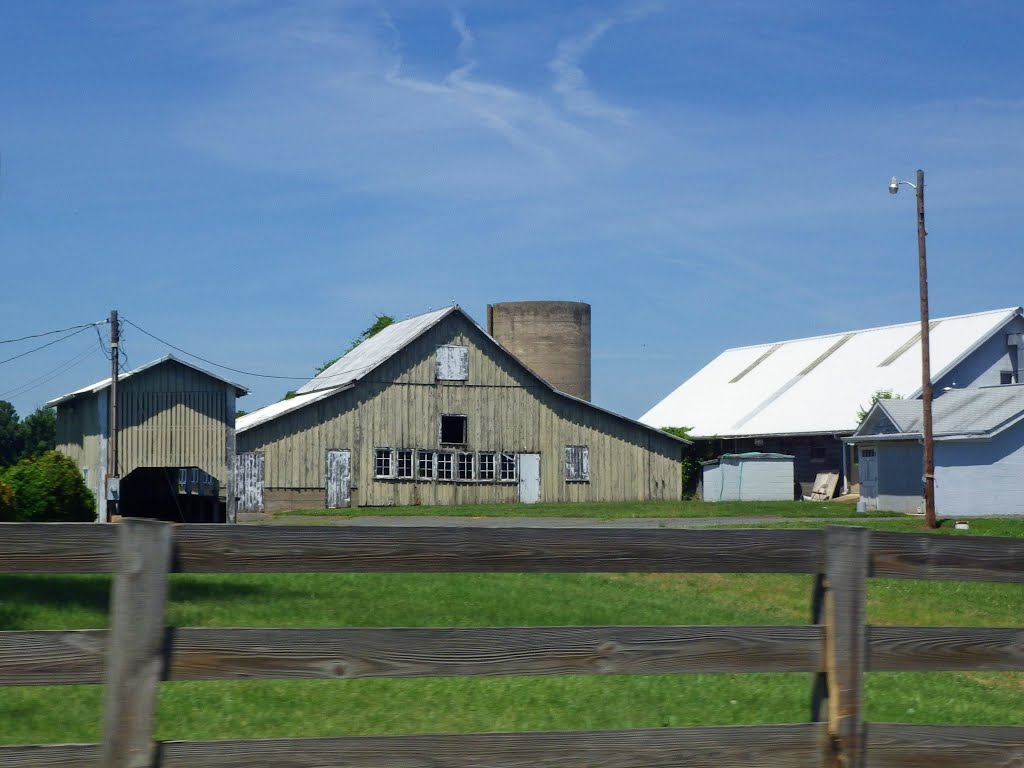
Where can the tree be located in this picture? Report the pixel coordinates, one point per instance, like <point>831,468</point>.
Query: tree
<point>39,432</point>
<point>49,488</point>
<point>879,394</point>
<point>380,322</point>
<point>10,434</point>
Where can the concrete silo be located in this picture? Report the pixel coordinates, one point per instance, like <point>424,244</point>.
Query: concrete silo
<point>552,338</point>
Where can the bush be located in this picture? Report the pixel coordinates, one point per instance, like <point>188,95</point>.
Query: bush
<point>49,488</point>
<point>6,504</point>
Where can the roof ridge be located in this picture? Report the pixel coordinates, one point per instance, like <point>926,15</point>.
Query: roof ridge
<point>1007,310</point>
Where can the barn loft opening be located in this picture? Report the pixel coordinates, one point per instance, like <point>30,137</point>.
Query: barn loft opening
<point>453,430</point>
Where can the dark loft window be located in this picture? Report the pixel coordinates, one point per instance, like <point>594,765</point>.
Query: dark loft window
<point>453,430</point>
<point>1006,377</point>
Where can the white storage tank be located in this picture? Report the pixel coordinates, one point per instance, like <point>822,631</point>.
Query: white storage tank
<point>749,477</point>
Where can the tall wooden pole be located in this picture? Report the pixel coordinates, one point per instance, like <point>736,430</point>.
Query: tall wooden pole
<point>115,338</point>
<point>926,374</point>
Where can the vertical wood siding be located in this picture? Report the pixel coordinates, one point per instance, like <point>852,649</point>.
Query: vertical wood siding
<point>398,406</point>
<point>169,416</point>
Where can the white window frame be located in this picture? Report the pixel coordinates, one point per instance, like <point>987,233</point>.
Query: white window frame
<point>493,471</point>
<point>577,464</point>
<point>397,464</point>
<point>388,455</point>
<point>431,457</point>
<point>459,457</point>
<point>449,456</point>
<point>508,460</point>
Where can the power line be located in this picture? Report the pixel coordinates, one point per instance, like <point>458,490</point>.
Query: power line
<point>50,343</point>
<point>53,373</point>
<point>51,333</point>
<point>210,362</point>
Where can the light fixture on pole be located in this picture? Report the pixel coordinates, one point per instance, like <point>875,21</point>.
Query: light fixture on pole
<point>926,375</point>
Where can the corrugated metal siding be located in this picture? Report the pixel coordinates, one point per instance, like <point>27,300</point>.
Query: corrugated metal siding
<point>79,431</point>
<point>507,409</point>
<point>174,416</point>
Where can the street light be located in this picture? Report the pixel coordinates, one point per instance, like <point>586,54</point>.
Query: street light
<point>926,376</point>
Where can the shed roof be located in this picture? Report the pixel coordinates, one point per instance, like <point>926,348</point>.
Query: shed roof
<point>815,385</point>
<point>957,413</point>
<point>99,386</point>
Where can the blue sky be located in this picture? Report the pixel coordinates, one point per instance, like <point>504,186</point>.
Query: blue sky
<point>254,181</point>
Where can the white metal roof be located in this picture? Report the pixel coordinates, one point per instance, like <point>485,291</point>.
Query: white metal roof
<point>816,385</point>
<point>977,412</point>
<point>272,411</point>
<point>101,385</point>
<point>374,351</point>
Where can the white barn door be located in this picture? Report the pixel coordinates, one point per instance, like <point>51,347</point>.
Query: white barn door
<point>868,480</point>
<point>338,480</point>
<point>529,478</point>
<point>249,481</point>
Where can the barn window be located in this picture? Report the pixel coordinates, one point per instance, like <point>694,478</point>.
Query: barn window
<point>507,468</point>
<point>452,363</point>
<point>445,468</point>
<point>1006,377</point>
<point>403,464</point>
<point>818,454</point>
<point>453,430</point>
<point>577,464</point>
<point>486,465</point>
<point>382,462</point>
<point>425,465</point>
<point>466,466</point>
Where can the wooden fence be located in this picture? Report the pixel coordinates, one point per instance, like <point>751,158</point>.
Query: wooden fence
<point>138,651</point>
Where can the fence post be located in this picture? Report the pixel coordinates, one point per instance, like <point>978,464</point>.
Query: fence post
<point>135,651</point>
<point>819,687</point>
<point>846,570</point>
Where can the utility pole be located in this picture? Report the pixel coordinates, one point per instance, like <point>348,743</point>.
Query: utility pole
<point>926,373</point>
<point>115,361</point>
<point>926,368</point>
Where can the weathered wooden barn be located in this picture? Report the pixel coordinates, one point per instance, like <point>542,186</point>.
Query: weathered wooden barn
<point>433,410</point>
<point>802,396</point>
<point>979,453</point>
<point>176,441</point>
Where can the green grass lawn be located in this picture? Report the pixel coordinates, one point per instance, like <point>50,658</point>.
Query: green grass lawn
<point>244,709</point>
<point>610,510</point>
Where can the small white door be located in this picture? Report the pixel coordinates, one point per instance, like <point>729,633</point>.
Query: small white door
<point>529,478</point>
<point>868,469</point>
<point>339,479</point>
<point>249,481</point>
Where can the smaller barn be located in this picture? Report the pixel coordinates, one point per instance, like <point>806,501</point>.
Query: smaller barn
<point>979,453</point>
<point>749,477</point>
<point>176,442</point>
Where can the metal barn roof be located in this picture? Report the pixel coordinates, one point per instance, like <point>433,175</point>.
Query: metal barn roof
<point>965,413</point>
<point>816,385</point>
<point>374,351</point>
<point>103,384</point>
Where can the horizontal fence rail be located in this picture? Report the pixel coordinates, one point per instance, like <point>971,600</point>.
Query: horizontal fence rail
<point>767,746</point>
<point>90,548</point>
<point>58,657</point>
<point>139,650</point>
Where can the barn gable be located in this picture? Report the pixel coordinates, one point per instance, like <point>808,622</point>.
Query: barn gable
<point>451,391</point>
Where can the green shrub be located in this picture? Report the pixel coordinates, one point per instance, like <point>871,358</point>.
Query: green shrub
<point>49,488</point>
<point>6,504</point>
